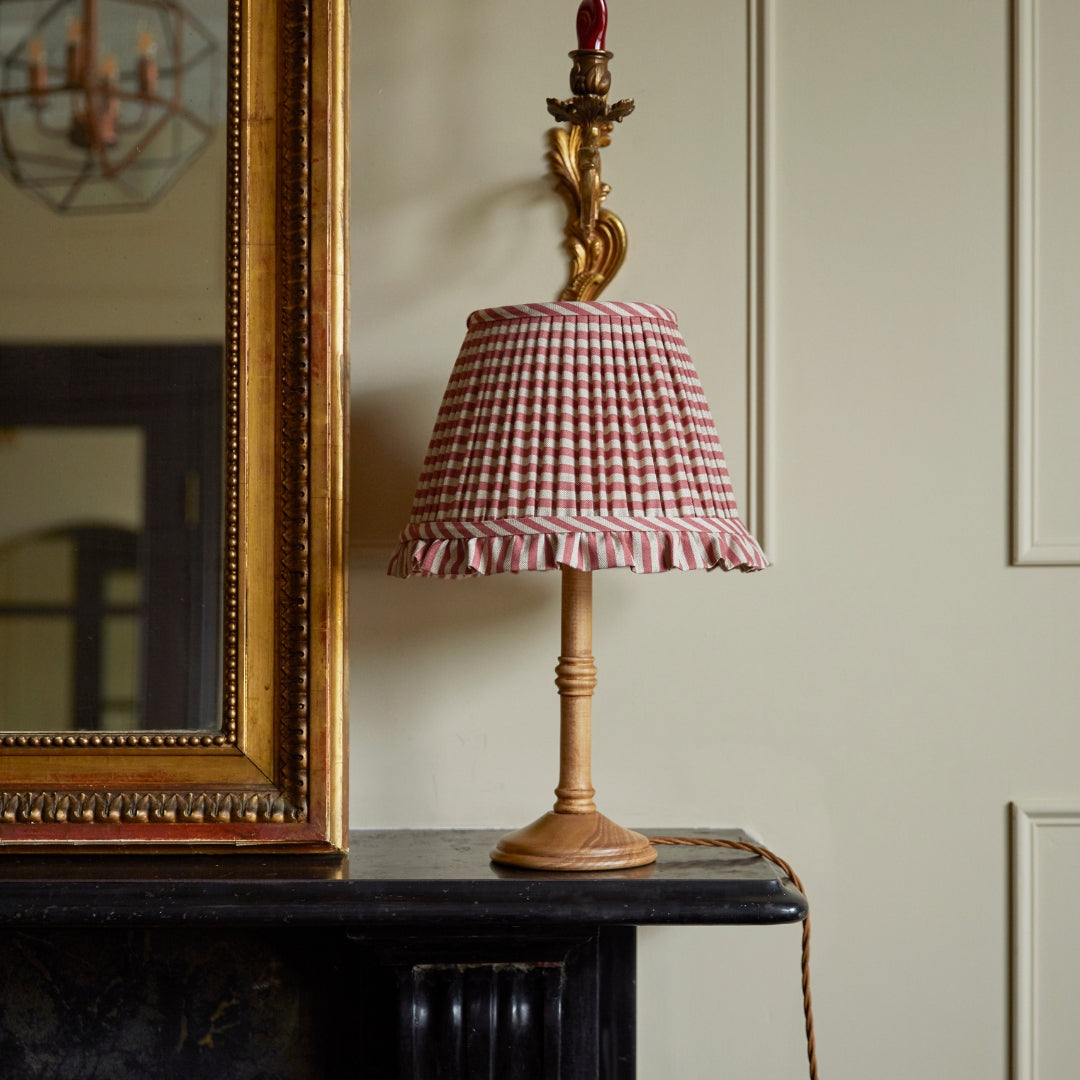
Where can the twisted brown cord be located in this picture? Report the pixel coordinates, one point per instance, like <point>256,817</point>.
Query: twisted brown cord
<point>765,853</point>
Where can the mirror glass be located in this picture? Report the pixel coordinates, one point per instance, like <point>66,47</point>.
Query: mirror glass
<point>112,219</point>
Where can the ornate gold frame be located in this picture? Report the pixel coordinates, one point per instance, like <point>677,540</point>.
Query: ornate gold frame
<point>273,772</point>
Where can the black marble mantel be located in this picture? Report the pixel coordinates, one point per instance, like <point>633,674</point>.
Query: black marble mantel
<point>412,957</point>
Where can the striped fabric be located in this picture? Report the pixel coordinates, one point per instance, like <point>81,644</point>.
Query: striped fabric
<point>574,434</point>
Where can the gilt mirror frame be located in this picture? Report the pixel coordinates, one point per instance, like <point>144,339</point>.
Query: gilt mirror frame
<point>269,770</point>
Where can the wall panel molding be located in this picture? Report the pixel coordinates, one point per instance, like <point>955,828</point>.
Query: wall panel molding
<point>760,516</point>
<point>1046,446</point>
<point>1044,1040</point>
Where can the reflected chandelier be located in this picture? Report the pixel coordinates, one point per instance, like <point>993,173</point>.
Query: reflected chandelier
<point>103,103</point>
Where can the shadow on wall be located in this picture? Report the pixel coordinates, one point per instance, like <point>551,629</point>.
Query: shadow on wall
<point>430,202</point>
<point>395,613</point>
<point>385,456</point>
<point>468,236</point>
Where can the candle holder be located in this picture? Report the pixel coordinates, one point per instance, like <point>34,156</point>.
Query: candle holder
<point>595,237</point>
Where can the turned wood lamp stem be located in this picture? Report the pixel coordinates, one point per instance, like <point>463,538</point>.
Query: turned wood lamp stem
<point>575,677</point>
<point>575,835</point>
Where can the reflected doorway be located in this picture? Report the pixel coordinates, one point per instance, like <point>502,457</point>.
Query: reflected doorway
<point>110,537</point>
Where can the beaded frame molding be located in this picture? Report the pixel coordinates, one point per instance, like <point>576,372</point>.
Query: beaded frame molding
<point>269,770</point>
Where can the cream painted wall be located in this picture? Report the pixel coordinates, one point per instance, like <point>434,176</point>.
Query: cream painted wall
<point>871,704</point>
<point>155,275</point>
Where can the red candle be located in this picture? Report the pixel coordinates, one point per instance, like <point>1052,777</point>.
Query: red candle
<point>592,24</point>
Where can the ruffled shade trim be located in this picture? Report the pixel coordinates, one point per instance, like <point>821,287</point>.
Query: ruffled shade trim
<point>573,434</point>
<point>645,545</point>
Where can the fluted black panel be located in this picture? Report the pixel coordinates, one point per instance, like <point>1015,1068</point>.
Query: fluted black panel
<point>493,1007</point>
<point>482,1021</point>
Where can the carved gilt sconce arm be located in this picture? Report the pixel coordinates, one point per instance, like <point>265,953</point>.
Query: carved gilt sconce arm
<point>595,237</point>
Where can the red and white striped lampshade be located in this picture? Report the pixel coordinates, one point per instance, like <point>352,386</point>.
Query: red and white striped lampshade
<point>574,434</point>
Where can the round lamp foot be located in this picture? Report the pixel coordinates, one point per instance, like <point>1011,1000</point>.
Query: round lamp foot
<point>573,842</point>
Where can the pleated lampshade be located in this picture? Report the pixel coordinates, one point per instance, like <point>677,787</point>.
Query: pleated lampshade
<point>574,435</point>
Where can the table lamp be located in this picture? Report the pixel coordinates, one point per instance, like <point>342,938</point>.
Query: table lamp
<point>575,435</point>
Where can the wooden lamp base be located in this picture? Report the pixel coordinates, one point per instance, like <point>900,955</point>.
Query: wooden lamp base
<point>574,842</point>
<point>575,836</point>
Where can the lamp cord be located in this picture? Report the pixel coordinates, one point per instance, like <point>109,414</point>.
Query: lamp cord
<point>765,853</point>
